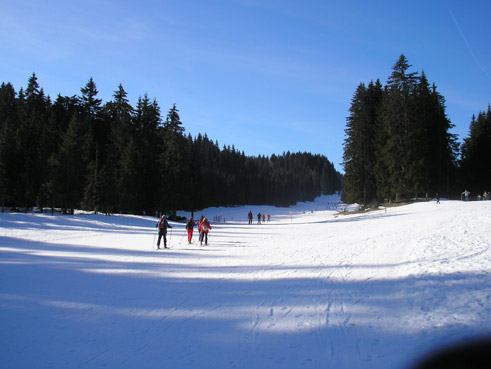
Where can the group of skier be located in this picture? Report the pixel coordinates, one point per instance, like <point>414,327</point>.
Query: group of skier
<point>485,196</point>
<point>260,217</point>
<point>203,227</point>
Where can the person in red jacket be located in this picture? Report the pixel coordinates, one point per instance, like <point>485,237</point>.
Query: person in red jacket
<point>190,228</point>
<point>205,227</point>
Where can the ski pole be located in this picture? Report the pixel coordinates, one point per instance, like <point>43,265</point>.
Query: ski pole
<point>154,235</point>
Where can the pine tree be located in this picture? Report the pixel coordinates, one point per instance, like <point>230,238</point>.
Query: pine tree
<point>94,142</point>
<point>406,149</point>
<point>118,113</point>
<point>8,155</point>
<point>131,182</point>
<point>33,117</point>
<point>476,150</point>
<point>442,146</point>
<point>91,105</point>
<point>398,122</point>
<point>173,164</point>
<point>147,123</point>
<point>360,147</point>
<point>68,169</point>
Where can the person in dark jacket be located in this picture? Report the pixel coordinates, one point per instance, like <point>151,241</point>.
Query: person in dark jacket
<point>162,225</point>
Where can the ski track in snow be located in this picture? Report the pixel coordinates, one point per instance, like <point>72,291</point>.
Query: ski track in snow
<point>372,290</point>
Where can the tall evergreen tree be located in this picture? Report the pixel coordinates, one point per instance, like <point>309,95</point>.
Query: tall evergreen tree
<point>131,183</point>
<point>94,142</point>
<point>9,164</point>
<point>147,123</point>
<point>33,118</point>
<point>443,147</point>
<point>173,163</point>
<point>68,169</point>
<point>119,115</point>
<point>360,147</point>
<point>397,119</point>
<point>91,105</point>
<point>398,141</point>
<point>476,150</point>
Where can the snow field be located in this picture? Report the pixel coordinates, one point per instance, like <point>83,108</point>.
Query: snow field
<point>371,290</point>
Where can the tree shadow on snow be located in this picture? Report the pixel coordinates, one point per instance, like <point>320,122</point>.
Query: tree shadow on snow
<point>64,310</point>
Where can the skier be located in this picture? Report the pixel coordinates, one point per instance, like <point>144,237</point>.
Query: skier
<point>199,226</point>
<point>204,227</point>
<point>162,225</point>
<point>250,217</point>
<point>190,228</point>
<point>437,198</point>
<point>258,218</point>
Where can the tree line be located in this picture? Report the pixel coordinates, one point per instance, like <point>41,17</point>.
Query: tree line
<point>398,143</point>
<point>475,165</point>
<point>80,153</point>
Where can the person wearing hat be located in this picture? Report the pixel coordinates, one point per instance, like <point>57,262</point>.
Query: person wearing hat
<point>162,225</point>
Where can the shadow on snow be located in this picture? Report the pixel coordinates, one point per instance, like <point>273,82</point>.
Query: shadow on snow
<point>65,310</point>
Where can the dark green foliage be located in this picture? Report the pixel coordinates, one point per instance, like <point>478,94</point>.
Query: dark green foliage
<point>398,144</point>
<point>80,153</point>
<point>476,151</point>
<point>360,147</point>
<point>68,169</point>
<point>9,163</point>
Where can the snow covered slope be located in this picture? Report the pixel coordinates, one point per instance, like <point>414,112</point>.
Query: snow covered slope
<point>308,290</point>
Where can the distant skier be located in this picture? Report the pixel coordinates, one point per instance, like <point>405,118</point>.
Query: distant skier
<point>437,198</point>
<point>190,229</point>
<point>204,227</point>
<point>250,217</point>
<point>162,225</point>
<point>258,218</point>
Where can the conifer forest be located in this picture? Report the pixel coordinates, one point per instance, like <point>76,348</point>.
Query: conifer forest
<point>398,143</point>
<point>78,152</point>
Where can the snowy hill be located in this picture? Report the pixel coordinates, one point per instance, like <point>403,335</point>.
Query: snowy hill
<point>309,289</point>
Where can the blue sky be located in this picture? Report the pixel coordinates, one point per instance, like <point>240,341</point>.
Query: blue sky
<point>266,76</point>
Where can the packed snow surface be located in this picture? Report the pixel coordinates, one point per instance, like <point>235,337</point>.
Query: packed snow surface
<point>309,289</point>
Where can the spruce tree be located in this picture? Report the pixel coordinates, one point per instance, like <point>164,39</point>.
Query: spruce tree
<point>91,105</point>
<point>68,169</point>
<point>147,123</point>
<point>398,122</point>
<point>94,141</point>
<point>118,114</point>
<point>360,147</point>
<point>476,150</point>
<point>9,164</point>
<point>33,115</point>
<point>173,164</point>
